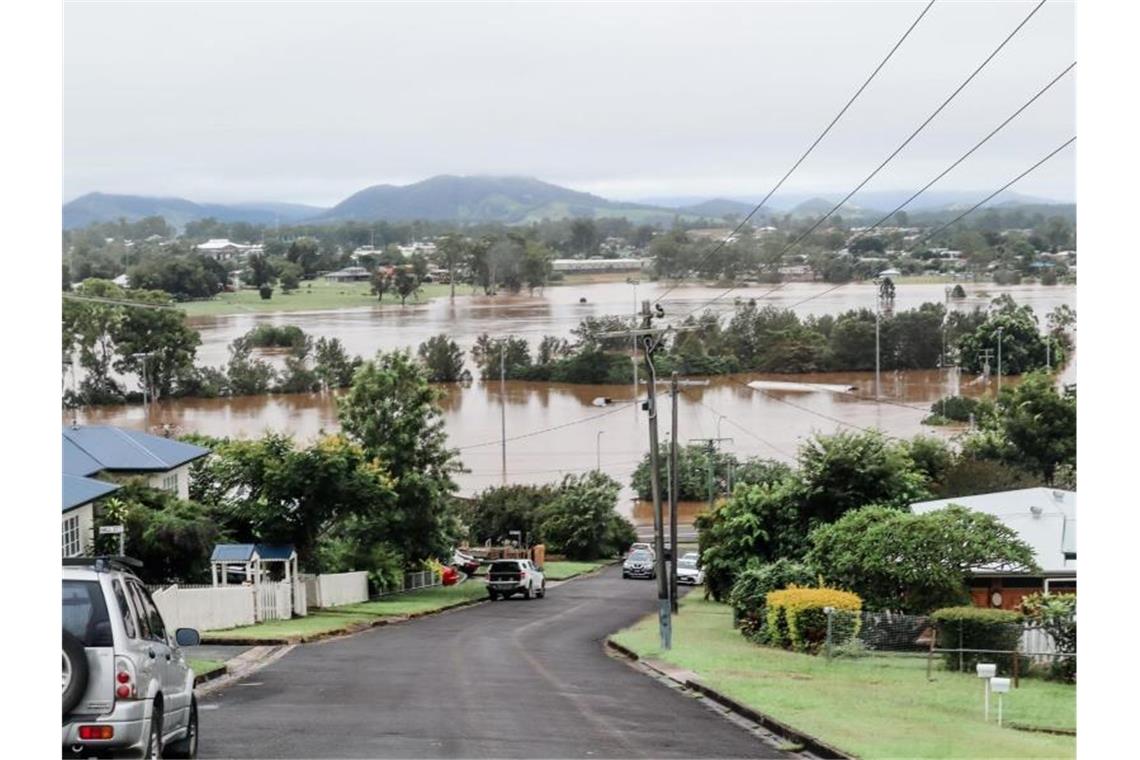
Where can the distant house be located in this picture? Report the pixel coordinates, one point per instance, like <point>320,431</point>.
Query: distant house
<point>224,249</point>
<point>1044,518</point>
<point>349,274</point>
<point>597,265</point>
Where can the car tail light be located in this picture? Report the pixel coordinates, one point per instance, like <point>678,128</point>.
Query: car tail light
<point>96,732</point>
<point>125,679</point>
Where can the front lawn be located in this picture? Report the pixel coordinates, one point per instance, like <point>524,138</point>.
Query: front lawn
<point>873,707</point>
<point>313,295</point>
<point>318,622</point>
<point>560,571</point>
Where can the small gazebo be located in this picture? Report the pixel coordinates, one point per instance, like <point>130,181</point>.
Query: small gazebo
<point>252,560</point>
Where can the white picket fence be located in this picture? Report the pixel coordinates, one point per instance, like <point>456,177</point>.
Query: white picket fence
<point>274,601</point>
<point>205,607</point>
<point>1034,639</point>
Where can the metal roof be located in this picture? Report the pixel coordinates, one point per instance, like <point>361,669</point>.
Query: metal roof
<point>89,449</point>
<point>247,552</point>
<point>78,490</point>
<point>1044,518</point>
<point>275,551</point>
<point>233,552</point>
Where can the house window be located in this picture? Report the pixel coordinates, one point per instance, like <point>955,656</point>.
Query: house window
<point>170,482</point>
<point>72,546</point>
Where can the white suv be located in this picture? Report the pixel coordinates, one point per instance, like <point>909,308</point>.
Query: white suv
<point>515,576</point>
<point>127,689</point>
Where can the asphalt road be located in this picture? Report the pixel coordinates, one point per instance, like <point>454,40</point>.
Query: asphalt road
<point>511,678</point>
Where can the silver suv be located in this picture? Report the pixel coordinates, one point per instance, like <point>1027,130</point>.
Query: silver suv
<point>515,576</point>
<point>127,689</point>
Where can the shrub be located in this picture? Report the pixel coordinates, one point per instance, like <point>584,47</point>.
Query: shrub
<point>797,621</point>
<point>1057,615</point>
<point>977,628</point>
<point>266,292</point>
<point>957,408</point>
<point>750,592</point>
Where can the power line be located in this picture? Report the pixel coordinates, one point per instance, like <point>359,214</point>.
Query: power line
<point>897,150</point>
<point>811,147</point>
<point>740,427</point>
<point>1000,190</point>
<point>118,302</point>
<point>533,433</point>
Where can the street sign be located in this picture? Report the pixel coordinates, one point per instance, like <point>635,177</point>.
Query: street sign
<point>110,530</point>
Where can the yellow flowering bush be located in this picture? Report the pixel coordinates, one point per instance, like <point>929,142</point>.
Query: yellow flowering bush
<point>796,619</point>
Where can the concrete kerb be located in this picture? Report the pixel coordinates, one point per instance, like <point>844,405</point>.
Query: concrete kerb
<point>210,675</point>
<point>815,746</point>
<point>241,666</point>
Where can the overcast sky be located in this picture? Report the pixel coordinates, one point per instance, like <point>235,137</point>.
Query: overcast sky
<point>311,102</point>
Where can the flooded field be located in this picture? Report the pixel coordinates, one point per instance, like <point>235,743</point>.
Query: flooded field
<point>555,429</point>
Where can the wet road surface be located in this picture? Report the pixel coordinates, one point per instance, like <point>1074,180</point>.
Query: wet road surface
<point>512,678</point>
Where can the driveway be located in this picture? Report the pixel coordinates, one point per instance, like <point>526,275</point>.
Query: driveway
<point>512,678</point>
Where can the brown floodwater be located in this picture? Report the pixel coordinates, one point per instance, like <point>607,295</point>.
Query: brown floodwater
<point>555,429</point>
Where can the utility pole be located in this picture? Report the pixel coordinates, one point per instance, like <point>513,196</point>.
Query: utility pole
<point>985,355</point>
<point>503,401</point>
<point>650,339</point>
<point>711,444</point>
<point>878,309</point>
<point>999,361</point>
<point>598,448</point>
<point>674,485</point>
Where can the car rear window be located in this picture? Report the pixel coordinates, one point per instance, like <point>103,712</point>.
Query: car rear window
<point>85,613</point>
<point>505,567</point>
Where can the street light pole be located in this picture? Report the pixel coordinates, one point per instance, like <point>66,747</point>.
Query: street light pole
<point>598,447</point>
<point>674,485</point>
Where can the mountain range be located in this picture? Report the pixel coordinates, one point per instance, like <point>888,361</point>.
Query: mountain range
<point>507,200</point>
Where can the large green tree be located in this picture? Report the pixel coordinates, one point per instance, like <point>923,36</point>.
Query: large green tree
<point>443,359</point>
<point>269,490</point>
<point>392,412</point>
<point>581,521</point>
<point>914,563</point>
<point>496,511</point>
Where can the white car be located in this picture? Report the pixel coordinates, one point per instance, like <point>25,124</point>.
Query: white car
<point>515,576</point>
<point>127,687</point>
<point>688,572</point>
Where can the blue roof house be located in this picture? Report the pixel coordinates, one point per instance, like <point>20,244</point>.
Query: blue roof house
<point>113,453</point>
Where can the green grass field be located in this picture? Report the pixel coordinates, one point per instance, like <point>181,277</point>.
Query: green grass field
<point>313,295</point>
<point>873,707</point>
<point>560,571</point>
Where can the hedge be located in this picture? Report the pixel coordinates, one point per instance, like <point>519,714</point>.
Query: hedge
<point>797,621</point>
<point>750,592</point>
<point>978,628</point>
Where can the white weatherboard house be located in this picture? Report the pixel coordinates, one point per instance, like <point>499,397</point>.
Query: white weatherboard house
<point>114,453</point>
<point>1044,518</point>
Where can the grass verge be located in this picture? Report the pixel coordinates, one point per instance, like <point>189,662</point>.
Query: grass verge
<point>561,571</point>
<point>313,295</point>
<point>873,707</point>
<point>204,666</point>
<point>419,602</point>
<point>332,620</point>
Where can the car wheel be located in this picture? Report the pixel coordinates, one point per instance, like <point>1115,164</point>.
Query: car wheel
<point>542,591</point>
<point>625,575</point>
<point>187,747</point>
<point>153,748</point>
<point>527,593</point>
<point>75,672</point>
<point>494,595</point>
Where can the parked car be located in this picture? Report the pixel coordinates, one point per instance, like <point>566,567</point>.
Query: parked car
<point>127,688</point>
<point>688,572</point>
<point>644,547</point>
<point>515,576</point>
<point>694,556</point>
<point>639,564</point>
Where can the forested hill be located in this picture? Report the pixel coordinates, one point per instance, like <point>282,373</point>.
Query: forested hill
<point>508,200</point>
